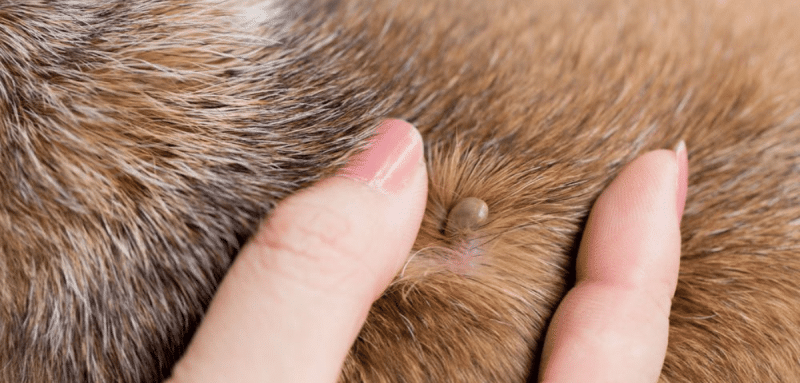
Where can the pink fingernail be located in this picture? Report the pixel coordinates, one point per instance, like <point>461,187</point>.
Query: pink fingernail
<point>683,177</point>
<point>391,160</point>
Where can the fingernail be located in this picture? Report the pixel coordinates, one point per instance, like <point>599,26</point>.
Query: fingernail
<point>392,159</point>
<point>683,177</point>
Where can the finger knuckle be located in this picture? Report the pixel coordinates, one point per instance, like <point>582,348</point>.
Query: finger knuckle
<point>320,235</point>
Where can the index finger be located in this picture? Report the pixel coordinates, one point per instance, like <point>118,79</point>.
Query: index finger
<point>613,325</point>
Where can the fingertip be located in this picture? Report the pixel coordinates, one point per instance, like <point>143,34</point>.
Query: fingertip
<point>646,186</point>
<point>632,235</point>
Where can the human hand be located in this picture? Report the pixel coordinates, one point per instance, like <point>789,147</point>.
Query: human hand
<point>613,325</point>
<point>299,291</point>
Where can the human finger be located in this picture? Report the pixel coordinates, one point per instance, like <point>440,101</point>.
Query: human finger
<point>299,291</point>
<point>613,325</point>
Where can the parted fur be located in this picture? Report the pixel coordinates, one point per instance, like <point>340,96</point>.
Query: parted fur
<point>142,141</point>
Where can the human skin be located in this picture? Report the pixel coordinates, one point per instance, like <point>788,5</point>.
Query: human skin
<point>614,322</point>
<point>297,295</point>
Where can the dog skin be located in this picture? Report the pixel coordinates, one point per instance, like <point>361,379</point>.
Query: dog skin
<point>141,142</point>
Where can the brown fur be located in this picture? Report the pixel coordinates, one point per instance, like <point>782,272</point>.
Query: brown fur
<point>142,141</point>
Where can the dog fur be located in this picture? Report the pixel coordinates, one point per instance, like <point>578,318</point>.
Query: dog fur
<point>142,141</point>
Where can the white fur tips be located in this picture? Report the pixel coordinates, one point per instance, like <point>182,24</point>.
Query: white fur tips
<point>250,13</point>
